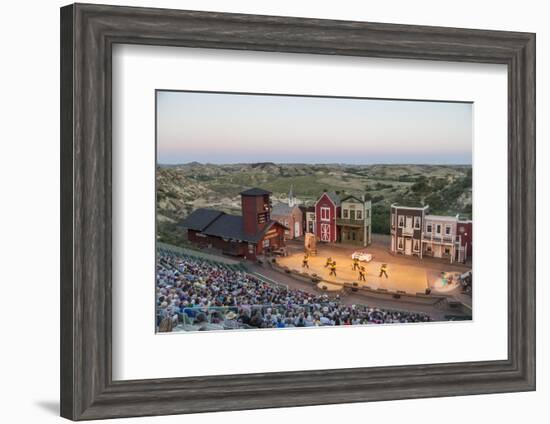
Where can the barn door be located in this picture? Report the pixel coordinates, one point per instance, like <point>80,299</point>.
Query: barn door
<point>325,232</point>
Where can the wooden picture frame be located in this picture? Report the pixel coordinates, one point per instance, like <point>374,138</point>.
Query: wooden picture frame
<point>88,33</point>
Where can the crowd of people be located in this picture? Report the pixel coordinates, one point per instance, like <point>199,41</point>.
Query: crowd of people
<point>204,295</point>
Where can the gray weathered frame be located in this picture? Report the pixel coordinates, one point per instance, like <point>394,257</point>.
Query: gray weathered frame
<point>88,33</point>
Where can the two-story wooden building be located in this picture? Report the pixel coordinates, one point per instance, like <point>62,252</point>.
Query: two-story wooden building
<point>309,219</point>
<point>416,232</point>
<point>406,229</point>
<point>439,238</point>
<point>354,221</point>
<point>247,235</point>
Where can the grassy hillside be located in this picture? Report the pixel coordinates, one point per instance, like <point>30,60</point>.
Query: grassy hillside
<point>183,188</point>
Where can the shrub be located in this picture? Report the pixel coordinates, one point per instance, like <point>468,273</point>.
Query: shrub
<point>380,220</point>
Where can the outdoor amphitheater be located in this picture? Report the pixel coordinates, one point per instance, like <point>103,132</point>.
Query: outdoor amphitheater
<point>202,291</point>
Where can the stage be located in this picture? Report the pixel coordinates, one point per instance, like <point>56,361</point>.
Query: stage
<point>411,275</point>
<point>400,277</point>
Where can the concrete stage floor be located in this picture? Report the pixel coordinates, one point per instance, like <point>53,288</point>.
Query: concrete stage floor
<point>411,275</point>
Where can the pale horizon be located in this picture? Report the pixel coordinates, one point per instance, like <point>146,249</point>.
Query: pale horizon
<point>227,128</point>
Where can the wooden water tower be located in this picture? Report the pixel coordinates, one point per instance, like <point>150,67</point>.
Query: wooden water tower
<point>256,208</point>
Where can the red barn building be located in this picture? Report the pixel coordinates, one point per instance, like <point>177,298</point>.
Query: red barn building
<point>248,235</point>
<point>327,209</point>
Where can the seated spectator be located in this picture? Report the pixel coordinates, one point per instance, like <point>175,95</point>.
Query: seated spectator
<point>193,291</point>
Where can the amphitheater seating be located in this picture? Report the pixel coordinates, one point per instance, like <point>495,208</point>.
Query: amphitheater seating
<point>199,293</point>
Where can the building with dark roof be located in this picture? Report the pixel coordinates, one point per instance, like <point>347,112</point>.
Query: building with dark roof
<point>201,218</point>
<point>255,192</point>
<point>248,235</point>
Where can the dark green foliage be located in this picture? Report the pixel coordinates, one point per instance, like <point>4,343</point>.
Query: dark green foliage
<point>201,177</point>
<point>436,202</point>
<point>381,186</point>
<point>406,178</point>
<point>421,186</point>
<point>438,183</point>
<point>380,219</point>
<point>169,233</point>
<point>377,198</point>
<point>444,196</point>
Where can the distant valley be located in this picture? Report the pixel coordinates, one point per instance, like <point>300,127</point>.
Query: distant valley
<point>183,188</point>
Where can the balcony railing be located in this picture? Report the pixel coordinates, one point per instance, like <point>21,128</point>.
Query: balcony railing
<point>350,222</point>
<point>407,231</point>
<point>440,238</point>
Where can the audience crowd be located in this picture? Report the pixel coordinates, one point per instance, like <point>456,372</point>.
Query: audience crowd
<point>202,295</point>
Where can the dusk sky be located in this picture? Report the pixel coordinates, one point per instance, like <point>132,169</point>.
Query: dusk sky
<point>235,128</point>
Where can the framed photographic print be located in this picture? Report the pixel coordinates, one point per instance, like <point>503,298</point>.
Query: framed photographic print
<point>265,211</point>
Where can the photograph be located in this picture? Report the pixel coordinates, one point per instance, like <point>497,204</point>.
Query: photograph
<point>281,211</point>
<point>273,212</point>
